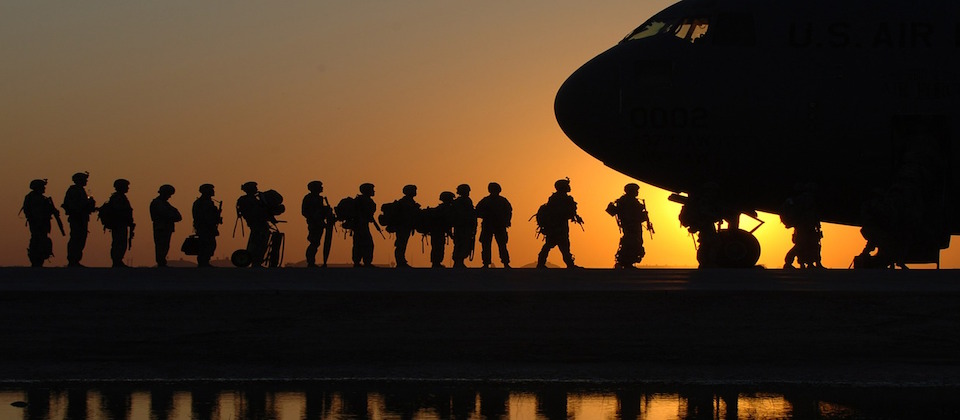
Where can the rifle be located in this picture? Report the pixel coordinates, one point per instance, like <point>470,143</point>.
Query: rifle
<point>133,226</point>
<point>56,214</point>
<point>378,229</point>
<point>473,243</point>
<point>579,220</point>
<point>649,224</point>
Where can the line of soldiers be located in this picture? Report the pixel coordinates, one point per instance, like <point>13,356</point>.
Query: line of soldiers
<point>116,215</point>
<point>455,217</point>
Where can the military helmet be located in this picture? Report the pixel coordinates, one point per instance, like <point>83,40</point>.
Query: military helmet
<point>121,183</point>
<point>166,189</point>
<point>463,189</point>
<point>446,196</point>
<point>494,188</point>
<point>206,189</point>
<point>366,188</point>
<point>315,186</point>
<point>631,188</point>
<point>80,176</point>
<point>410,189</point>
<point>249,187</point>
<point>38,184</point>
<point>562,185</point>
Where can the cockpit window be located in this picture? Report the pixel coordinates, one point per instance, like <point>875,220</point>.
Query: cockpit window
<point>689,29</point>
<point>648,29</point>
<point>692,29</point>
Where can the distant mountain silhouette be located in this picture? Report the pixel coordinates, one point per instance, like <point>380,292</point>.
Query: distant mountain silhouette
<point>221,262</point>
<point>192,263</point>
<point>181,263</point>
<point>303,264</point>
<point>534,265</point>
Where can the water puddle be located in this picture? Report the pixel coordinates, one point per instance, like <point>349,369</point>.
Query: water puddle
<point>418,400</point>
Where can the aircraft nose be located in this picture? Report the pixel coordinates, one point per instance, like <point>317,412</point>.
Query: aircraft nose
<point>586,103</point>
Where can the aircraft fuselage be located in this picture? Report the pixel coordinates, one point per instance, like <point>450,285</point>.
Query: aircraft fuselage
<point>758,96</point>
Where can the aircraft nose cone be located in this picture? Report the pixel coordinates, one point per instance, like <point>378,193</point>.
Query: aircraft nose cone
<point>587,105</point>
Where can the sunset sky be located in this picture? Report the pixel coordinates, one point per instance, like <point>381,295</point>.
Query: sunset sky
<point>426,92</point>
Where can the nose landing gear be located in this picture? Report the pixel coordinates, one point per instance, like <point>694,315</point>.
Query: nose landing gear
<point>729,247</point>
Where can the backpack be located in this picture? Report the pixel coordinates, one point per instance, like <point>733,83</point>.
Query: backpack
<point>346,212</point>
<point>547,218</point>
<point>273,201</point>
<point>427,220</point>
<point>37,208</point>
<point>108,214</point>
<point>389,216</point>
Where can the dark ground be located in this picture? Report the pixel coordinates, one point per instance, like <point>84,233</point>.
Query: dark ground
<point>658,326</point>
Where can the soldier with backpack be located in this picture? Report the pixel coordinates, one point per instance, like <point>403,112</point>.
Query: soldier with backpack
<point>78,206</point>
<point>553,220</point>
<point>316,209</point>
<point>800,213</point>
<point>207,218</point>
<point>496,212</point>
<point>164,216</point>
<point>631,214</point>
<point>39,209</point>
<point>399,217</point>
<point>439,223</point>
<point>464,226</point>
<point>117,215</point>
<point>258,218</point>
<point>363,216</point>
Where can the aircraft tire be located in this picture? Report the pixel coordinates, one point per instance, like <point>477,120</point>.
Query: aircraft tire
<point>707,254</point>
<point>737,249</point>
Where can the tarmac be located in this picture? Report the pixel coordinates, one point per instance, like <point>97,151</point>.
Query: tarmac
<point>666,326</point>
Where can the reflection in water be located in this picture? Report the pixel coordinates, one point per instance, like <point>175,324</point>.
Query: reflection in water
<point>328,401</point>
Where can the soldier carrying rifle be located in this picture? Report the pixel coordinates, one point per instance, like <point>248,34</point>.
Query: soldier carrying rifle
<point>39,209</point>
<point>631,215</point>
<point>553,221</point>
<point>117,215</point>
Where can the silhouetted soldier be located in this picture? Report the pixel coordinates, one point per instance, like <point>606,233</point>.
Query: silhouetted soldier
<point>39,209</point>
<point>496,212</point>
<point>117,215</point>
<point>78,207</point>
<point>800,213</point>
<point>464,226</point>
<point>164,216</point>
<point>889,224</point>
<point>258,219</point>
<point>630,214</point>
<point>407,209</point>
<point>559,211</point>
<point>362,238</point>
<point>207,218</point>
<point>316,209</point>
<point>441,225</point>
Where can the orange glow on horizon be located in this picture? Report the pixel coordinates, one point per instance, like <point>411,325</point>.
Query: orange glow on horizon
<point>428,93</point>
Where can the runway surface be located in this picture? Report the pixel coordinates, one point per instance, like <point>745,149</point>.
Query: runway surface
<point>898,328</point>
